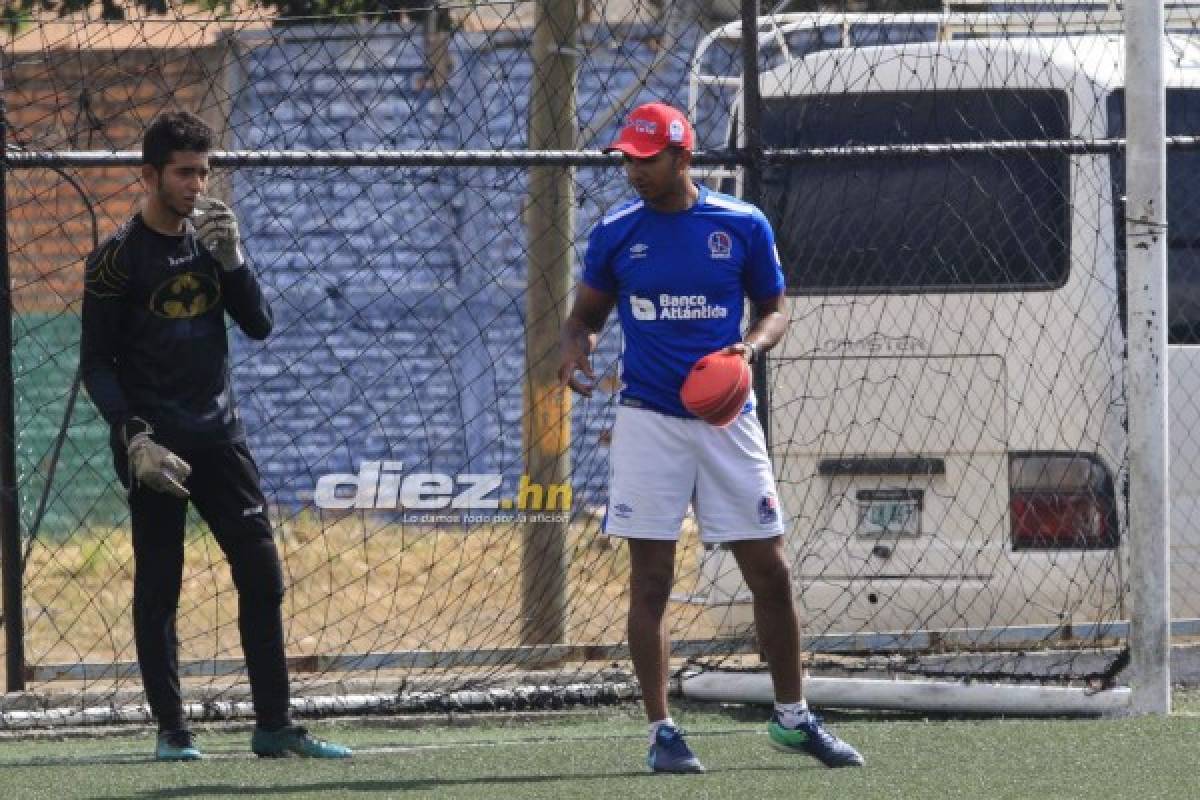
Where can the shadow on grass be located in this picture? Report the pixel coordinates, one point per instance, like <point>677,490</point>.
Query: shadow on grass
<point>342,787</point>
<point>80,761</point>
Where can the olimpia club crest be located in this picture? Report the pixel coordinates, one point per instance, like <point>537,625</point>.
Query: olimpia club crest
<point>720,245</point>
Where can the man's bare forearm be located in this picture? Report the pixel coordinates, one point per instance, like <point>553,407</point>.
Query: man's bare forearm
<point>766,332</point>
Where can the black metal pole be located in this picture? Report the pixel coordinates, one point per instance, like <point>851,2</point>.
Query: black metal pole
<point>10,529</point>
<point>752,153</point>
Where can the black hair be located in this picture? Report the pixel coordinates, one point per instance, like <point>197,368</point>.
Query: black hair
<point>172,132</point>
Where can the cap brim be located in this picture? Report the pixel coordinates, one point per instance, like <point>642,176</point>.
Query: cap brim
<point>632,149</point>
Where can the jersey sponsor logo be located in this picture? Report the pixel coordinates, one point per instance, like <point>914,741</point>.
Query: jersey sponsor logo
<point>185,296</point>
<point>719,244</point>
<point>676,307</point>
<point>639,250</point>
<point>768,509</point>
<point>643,308</point>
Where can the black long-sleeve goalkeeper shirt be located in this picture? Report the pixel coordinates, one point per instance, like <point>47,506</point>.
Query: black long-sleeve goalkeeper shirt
<point>154,343</point>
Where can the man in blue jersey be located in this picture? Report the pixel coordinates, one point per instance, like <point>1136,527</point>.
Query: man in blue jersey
<point>678,263</point>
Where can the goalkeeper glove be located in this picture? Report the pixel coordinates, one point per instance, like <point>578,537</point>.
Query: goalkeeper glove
<point>152,464</point>
<point>217,228</point>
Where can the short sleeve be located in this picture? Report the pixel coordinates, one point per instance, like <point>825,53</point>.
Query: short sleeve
<point>763,276</point>
<point>597,266</point>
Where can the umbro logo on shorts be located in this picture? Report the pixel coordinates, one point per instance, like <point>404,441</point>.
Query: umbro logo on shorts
<point>250,512</point>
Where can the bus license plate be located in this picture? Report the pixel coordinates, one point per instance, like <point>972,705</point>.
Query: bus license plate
<point>889,512</point>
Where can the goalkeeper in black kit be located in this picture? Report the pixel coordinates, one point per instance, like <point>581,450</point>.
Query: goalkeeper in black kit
<point>155,360</point>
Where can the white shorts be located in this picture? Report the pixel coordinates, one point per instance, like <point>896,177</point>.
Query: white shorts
<point>659,464</point>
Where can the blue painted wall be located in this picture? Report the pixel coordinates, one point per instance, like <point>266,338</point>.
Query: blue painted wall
<point>399,293</point>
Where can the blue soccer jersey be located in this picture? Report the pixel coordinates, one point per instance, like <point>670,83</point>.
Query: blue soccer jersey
<point>681,280</point>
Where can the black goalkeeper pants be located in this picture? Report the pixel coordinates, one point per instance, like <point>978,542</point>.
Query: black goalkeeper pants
<point>225,490</point>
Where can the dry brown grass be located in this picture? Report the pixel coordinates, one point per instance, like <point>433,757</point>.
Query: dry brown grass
<point>355,585</point>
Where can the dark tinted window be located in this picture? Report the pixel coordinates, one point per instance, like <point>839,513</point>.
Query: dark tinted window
<point>862,34</point>
<point>1183,213</point>
<point>907,223</point>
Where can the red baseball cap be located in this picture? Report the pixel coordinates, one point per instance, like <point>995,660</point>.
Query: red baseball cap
<point>651,128</point>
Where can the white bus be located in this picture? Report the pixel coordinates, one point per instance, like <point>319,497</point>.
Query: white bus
<point>948,413</point>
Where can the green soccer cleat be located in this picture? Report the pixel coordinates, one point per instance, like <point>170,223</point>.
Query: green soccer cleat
<point>177,745</point>
<point>293,740</point>
<point>813,738</point>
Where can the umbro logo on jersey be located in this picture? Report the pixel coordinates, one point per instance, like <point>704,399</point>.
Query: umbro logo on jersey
<point>180,261</point>
<point>719,244</point>
<point>639,250</point>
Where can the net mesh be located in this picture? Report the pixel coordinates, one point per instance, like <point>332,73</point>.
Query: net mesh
<point>955,322</point>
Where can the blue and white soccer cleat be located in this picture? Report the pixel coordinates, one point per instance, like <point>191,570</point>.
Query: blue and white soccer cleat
<point>670,752</point>
<point>177,745</point>
<point>294,740</point>
<point>812,738</point>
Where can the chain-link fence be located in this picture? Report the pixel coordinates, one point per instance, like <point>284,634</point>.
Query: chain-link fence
<point>946,414</point>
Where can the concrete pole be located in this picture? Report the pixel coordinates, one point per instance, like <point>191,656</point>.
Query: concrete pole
<point>1146,383</point>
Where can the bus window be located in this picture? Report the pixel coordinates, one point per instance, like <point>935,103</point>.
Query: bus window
<point>1183,213</point>
<point>893,223</point>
